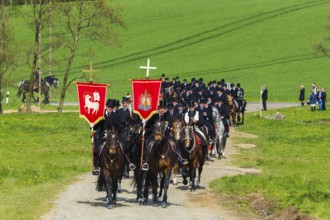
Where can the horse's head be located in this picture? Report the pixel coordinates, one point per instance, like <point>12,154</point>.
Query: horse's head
<point>177,128</point>
<point>112,141</point>
<point>187,135</point>
<point>134,132</point>
<point>159,130</point>
<point>51,80</point>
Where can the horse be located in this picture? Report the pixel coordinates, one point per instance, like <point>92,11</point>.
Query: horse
<point>112,158</point>
<point>237,109</point>
<point>176,132</point>
<point>135,139</point>
<point>192,150</point>
<point>220,139</point>
<point>46,83</point>
<point>161,160</point>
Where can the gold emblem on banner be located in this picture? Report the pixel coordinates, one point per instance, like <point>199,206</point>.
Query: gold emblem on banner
<point>145,101</point>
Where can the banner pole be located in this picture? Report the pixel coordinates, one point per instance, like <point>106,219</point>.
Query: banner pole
<point>142,147</point>
<point>92,139</point>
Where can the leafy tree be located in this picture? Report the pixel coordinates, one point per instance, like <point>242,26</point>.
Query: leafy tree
<point>92,20</point>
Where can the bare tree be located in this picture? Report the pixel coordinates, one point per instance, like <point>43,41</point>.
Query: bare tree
<point>92,20</point>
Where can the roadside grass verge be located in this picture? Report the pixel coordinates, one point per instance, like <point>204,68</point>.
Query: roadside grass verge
<point>293,156</point>
<point>39,155</point>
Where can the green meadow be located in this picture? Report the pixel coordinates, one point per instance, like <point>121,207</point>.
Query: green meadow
<point>293,156</point>
<point>253,42</point>
<point>39,155</point>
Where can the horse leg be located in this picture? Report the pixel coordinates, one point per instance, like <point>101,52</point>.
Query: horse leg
<point>119,185</point>
<point>154,188</point>
<point>114,191</point>
<point>161,187</point>
<point>184,174</point>
<point>200,169</point>
<point>109,191</point>
<point>175,172</point>
<point>146,187</point>
<point>192,178</point>
<point>167,176</point>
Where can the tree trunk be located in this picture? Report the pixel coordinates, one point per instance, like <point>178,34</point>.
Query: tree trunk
<point>67,72</point>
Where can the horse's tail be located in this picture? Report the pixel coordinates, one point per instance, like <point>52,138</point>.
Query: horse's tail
<point>100,185</point>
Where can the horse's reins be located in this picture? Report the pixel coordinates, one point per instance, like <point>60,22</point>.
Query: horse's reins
<point>188,138</point>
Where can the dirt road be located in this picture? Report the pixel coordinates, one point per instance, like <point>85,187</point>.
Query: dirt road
<point>82,201</point>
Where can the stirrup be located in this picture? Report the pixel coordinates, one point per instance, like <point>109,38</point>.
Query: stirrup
<point>145,167</point>
<point>131,166</point>
<point>96,171</point>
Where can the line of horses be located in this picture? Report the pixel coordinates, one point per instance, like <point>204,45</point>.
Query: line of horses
<point>162,159</point>
<point>46,83</point>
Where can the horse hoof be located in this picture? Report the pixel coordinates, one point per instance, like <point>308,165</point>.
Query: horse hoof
<point>140,201</point>
<point>164,205</point>
<point>110,206</point>
<point>185,182</point>
<point>155,204</point>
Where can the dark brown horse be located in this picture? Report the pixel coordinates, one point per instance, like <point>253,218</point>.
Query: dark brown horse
<point>162,158</point>
<point>192,150</point>
<point>46,83</point>
<point>112,159</point>
<point>135,139</point>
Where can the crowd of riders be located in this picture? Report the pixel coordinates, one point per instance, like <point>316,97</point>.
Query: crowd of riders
<point>192,101</point>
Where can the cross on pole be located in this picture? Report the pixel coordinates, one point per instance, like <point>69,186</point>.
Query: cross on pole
<point>148,67</point>
<point>90,72</point>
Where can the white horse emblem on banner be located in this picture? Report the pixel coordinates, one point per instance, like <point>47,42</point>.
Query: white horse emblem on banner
<point>92,104</point>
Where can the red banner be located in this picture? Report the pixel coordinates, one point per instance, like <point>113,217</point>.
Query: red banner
<point>91,98</point>
<point>145,97</point>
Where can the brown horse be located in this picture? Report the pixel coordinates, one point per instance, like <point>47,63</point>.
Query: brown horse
<point>233,109</point>
<point>236,110</point>
<point>162,158</point>
<point>193,151</point>
<point>112,159</point>
<point>178,124</point>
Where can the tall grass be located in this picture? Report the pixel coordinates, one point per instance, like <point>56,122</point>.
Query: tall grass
<point>39,155</point>
<point>293,156</point>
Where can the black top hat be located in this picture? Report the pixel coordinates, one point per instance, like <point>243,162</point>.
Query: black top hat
<point>125,99</point>
<point>110,103</point>
<point>200,79</point>
<point>177,77</point>
<point>180,104</point>
<point>170,106</point>
<point>163,75</point>
<point>166,78</point>
<point>162,104</point>
<point>191,103</point>
<point>117,102</point>
<point>185,80</point>
<point>203,100</point>
<point>238,85</point>
<point>223,80</point>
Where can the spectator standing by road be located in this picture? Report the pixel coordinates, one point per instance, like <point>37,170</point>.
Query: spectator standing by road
<point>324,99</point>
<point>264,97</point>
<point>313,100</point>
<point>302,95</point>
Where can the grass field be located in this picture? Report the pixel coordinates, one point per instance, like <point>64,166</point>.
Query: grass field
<point>293,156</point>
<point>253,42</point>
<point>39,155</point>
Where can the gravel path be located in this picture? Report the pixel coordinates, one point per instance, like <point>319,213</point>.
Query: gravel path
<point>81,201</point>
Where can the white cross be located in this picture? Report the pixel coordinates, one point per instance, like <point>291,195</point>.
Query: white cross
<point>148,67</point>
